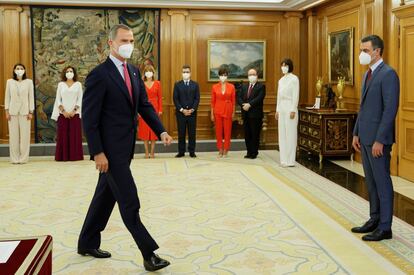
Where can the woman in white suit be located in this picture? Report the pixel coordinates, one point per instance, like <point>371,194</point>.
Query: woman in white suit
<point>19,107</point>
<point>287,114</point>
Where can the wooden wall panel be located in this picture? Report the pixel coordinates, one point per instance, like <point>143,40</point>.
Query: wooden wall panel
<point>405,42</point>
<point>366,17</point>
<point>200,26</point>
<point>15,42</point>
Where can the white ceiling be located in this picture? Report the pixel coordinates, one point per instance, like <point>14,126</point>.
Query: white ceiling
<point>195,4</point>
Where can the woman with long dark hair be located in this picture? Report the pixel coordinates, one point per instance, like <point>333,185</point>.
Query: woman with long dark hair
<point>67,113</point>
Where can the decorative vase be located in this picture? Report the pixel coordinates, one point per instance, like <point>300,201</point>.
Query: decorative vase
<point>340,87</point>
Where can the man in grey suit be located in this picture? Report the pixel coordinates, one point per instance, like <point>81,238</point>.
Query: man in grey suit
<point>374,134</point>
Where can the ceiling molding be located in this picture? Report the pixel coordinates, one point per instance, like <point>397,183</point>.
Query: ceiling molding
<point>284,5</point>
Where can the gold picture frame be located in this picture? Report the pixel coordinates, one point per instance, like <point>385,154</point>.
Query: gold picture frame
<point>341,55</point>
<point>238,56</point>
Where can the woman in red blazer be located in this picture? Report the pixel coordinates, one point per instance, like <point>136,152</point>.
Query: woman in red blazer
<point>223,102</point>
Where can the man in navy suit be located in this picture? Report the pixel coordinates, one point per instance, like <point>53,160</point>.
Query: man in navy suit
<point>114,96</point>
<point>374,134</point>
<point>186,99</point>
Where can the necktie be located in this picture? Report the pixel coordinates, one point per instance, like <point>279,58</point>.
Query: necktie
<point>369,74</point>
<point>249,92</point>
<point>127,80</point>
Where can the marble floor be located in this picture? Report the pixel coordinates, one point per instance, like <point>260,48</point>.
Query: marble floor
<point>210,216</point>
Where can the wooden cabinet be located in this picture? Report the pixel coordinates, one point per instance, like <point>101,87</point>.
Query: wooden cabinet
<point>326,132</point>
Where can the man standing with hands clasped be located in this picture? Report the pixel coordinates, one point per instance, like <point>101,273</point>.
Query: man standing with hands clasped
<point>250,99</point>
<point>114,96</point>
<point>374,134</point>
<point>186,99</point>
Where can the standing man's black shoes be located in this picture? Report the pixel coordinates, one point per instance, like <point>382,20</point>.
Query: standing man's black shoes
<point>193,155</point>
<point>369,226</point>
<point>97,253</point>
<point>378,235</point>
<point>155,263</point>
<point>179,155</point>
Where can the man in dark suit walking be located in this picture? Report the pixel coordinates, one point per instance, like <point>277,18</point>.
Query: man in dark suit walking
<point>374,134</point>
<point>186,99</point>
<point>250,99</point>
<point>114,96</point>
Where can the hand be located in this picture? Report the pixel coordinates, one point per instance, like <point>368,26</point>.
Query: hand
<point>233,115</point>
<point>277,115</point>
<point>29,116</point>
<point>212,117</point>
<point>65,114</point>
<point>187,112</point>
<point>356,144</point>
<point>72,114</point>
<point>292,115</point>
<point>101,163</point>
<point>8,117</point>
<point>377,149</point>
<point>166,139</point>
<point>246,106</point>
<point>159,114</point>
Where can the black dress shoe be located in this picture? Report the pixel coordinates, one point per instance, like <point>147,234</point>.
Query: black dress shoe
<point>369,226</point>
<point>193,155</point>
<point>155,263</point>
<point>179,155</point>
<point>378,235</point>
<point>247,156</point>
<point>97,253</point>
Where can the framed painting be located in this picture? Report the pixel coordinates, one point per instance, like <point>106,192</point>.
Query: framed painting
<point>340,56</point>
<point>237,56</point>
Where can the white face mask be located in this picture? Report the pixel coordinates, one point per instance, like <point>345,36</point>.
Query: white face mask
<point>126,50</point>
<point>285,69</point>
<point>70,75</point>
<point>149,74</point>
<point>364,58</point>
<point>186,76</point>
<point>252,78</point>
<point>19,72</point>
<point>223,78</point>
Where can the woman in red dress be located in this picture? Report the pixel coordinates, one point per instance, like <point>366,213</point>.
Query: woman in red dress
<point>223,102</point>
<point>153,88</point>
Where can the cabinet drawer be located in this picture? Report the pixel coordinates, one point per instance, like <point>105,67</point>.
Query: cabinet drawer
<point>315,120</point>
<point>309,131</point>
<point>305,117</point>
<point>309,144</point>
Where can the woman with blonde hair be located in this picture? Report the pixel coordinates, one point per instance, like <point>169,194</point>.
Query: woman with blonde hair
<point>154,93</point>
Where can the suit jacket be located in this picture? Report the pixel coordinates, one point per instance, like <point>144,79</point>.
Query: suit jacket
<point>223,104</point>
<point>19,97</point>
<point>379,106</point>
<point>109,114</point>
<point>255,100</point>
<point>186,97</point>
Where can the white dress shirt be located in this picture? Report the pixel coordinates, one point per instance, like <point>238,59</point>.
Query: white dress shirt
<point>68,97</point>
<point>288,93</point>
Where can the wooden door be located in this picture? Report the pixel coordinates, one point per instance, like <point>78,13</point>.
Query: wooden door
<point>405,137</point>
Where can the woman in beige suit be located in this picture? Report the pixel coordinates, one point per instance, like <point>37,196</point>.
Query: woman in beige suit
<point>19,106</point>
